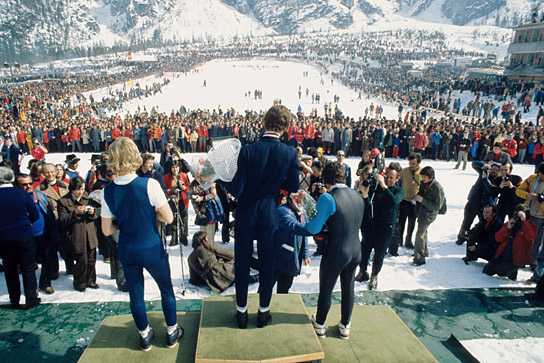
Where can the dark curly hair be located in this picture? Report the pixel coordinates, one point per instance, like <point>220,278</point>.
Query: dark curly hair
<point>333,173</point>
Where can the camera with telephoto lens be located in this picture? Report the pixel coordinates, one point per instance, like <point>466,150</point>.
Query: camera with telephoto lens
<point>98,164</point>
<point>371,179</point>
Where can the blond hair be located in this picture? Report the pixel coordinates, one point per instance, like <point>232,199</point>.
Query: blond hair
<point>124,156</point>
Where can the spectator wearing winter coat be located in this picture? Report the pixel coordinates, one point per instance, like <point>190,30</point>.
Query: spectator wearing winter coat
<point>13,153</point>
<point>210,264</point>
<point>17,247</point>
<point>481,241</point>
<point>420,142</point>
<point>510,145</point>
<point>378,136</point>
<point>429,200</point>
<point>292,240</point>
<point>497,155</point>
<point>503,187</point>
<point>515,240</point>
<point>46,233</point>
<point>479,196</point>
<point>462,154</point>
<point>530,190</point>
<point>77,217</point>
<point>435,143</point>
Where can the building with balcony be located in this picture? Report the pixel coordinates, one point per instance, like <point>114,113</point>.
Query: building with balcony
<point>526,52</point>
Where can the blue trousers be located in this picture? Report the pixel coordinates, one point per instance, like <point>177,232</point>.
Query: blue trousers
<point>159,268</point>
<point>258,221</point>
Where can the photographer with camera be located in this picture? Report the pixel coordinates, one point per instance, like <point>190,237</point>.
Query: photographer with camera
<point>97,162</point>
<point>316,181</point>
<point>382,199</point>
<point>515,240</point>
<point>177,185</point>
<point>38,151</point>
<point>481,241</point>
<point>532,191</point>
<point>503,187</point>
<point>77,217</point>
<point>479,196</point>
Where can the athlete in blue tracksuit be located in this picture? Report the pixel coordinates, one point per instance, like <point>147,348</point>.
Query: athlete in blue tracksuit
<point>136,203</point>
<point>263,168</point>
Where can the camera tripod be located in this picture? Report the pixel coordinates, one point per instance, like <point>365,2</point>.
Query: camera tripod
<point>178,224</point>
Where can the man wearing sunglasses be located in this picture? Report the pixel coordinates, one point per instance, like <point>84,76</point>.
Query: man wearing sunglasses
<point>340,156</point>
<point>46,235</point>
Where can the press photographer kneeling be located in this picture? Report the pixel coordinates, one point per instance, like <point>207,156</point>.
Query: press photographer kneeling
<point>515,240</point>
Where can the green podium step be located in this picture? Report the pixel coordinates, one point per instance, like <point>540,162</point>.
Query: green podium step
<point>289,338</point>
<point>377,335</point>
<point>117,340</point>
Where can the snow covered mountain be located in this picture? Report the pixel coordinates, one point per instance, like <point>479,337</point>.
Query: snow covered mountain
<point>54,27</point>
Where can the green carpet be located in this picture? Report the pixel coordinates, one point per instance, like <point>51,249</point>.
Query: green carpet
<point>60,333</point>
<point>289,335</point>
<point>116,340</point>
<point>377,335</point>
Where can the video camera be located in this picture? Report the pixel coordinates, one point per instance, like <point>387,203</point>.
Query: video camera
<point>370,179</point>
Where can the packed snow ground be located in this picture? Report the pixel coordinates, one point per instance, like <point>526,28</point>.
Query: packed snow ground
<point>227,83</point>
<point>506,350</point>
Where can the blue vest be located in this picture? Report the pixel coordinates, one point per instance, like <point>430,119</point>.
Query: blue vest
<point>136,218</point>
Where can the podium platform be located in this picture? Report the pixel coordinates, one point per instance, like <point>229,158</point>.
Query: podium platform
<point>117,340</point>
<point>288,338</point>
<point>377,335</point>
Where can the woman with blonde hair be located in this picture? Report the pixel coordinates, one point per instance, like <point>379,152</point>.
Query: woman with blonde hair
<point>136,203</point>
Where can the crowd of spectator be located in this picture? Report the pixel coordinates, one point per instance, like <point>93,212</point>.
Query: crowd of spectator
<point>60,114</point>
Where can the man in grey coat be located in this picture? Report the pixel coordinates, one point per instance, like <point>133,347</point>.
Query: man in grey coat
<point>429,201</point>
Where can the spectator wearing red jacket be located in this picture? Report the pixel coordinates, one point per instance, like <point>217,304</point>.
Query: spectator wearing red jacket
<point>291,133</point>
<point>178,180</point>
<point>115,133</point>
<point>510,146</point>
<point>38,151</point>
<point>309,136</point>
<point>202,137</point>
<point>75,138</point>
<point>21,140</point>
<point>515,240</point>
<point>420,142</point>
